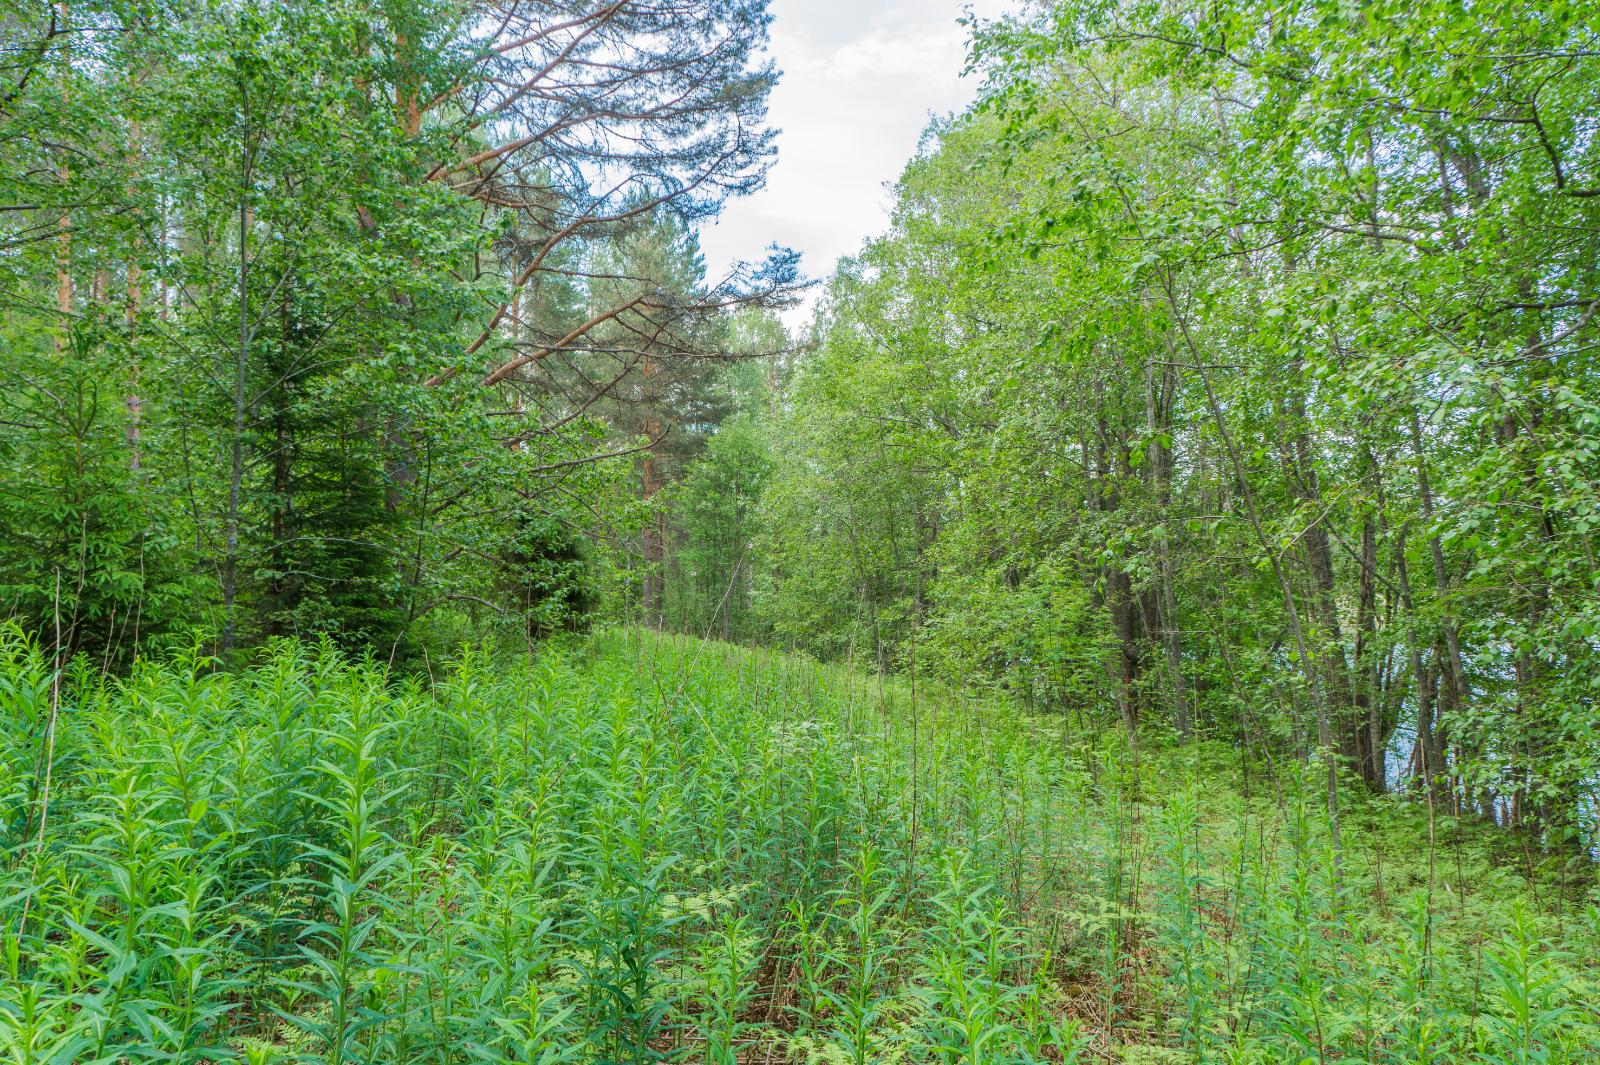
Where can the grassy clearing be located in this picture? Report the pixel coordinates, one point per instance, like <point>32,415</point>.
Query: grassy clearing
<point>650,849</point>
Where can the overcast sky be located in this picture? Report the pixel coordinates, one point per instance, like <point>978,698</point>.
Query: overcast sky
<point>860,80</point>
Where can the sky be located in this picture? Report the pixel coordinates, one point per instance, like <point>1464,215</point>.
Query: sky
<point>861,78</point>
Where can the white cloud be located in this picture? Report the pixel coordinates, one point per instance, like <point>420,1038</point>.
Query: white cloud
<point>861,80</point>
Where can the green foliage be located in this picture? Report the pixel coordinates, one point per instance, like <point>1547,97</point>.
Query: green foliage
<point>714,563</point>
<point>1226,374</point>
<point>651,849</point>
<point>550,577</point>
<point>95,559</point>
<point>1229,370</point>
<point>310,265</point>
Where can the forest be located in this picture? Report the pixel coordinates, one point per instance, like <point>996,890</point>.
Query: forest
<point>1142,606</point>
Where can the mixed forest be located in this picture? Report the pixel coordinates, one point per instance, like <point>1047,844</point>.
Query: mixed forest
<point>1148,613</point>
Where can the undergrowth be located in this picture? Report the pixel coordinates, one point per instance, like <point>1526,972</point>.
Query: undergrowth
<point>647,849</point>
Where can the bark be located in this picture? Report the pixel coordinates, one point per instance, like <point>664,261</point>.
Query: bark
<point>1158,414</point>
<point>1124,609</point>
<point>280,590</point>
<point>64,292</point>
<point>1370,733</point>
<point>133,403</point>
<point>1312,676</point>
<point>230,561</point>
<point>1427,754</point>
<point>1318,549</point>
<point>1457,693</point>
<point>407,105</point>
<point>653,541</point>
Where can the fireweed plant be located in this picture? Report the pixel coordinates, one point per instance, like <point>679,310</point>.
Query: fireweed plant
<point>645,849</point>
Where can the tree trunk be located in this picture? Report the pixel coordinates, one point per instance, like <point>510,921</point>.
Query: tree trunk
<point>1118,585</point>
<point>230,561</point>
<point>134,402</point>
<point>64,293</point>
<point>1158,415</point>
<point>1453,688</point>
<point>1319,568</point>
<point>1368,689</point>
<point>653,542</point>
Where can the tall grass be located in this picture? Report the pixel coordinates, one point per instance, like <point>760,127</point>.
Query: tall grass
<point>649,850</point>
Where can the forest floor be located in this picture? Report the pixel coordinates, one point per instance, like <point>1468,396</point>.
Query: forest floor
<point>646,848</point>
